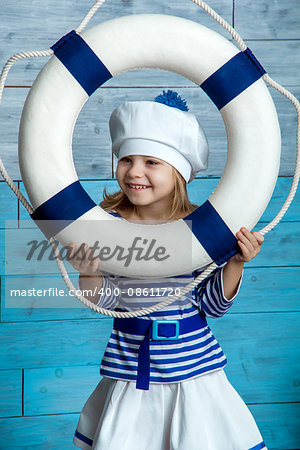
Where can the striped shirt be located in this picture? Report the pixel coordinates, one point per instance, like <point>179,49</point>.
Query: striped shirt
<point>192,354</point>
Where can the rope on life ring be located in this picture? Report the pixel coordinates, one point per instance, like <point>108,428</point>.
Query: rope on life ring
<point>272,224</point>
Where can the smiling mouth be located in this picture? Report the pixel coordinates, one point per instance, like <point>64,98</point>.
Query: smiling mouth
<point>137,187</point>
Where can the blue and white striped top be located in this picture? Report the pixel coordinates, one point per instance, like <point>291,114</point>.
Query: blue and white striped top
<point>192,354</point>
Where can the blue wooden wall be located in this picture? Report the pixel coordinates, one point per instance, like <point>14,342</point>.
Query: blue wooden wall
<point>51,349</point>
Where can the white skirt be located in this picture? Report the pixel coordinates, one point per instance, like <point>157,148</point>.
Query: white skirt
<point>204,413</point>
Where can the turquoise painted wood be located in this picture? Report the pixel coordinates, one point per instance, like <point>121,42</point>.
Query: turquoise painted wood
<point>268,289</point>
<point>10,393</point>
<point>57,390</point>
<point>263,354</point>
<point>39,433</point>
<point>53,343</point>
<point>8,204</point>
<point>279,425</point>
<point>54,431</point>
<point>59,349</point>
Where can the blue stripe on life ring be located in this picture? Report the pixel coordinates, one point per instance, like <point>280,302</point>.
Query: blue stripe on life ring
<point>81,62</point>
<point>83,438</point>
<point>259,446</point>
<point>233,78</point>
<point>212,233</point>
<point>62,209</point>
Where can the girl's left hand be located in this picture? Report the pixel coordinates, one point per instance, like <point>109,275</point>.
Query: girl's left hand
<point>249,244</point>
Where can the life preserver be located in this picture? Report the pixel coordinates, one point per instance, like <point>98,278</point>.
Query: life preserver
<point>81,64</point>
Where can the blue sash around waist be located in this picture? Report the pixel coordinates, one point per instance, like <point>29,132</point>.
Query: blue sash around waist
<point>158,330</point>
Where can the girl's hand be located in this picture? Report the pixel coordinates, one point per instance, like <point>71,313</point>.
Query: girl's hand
<point>249,244</point>
<point>82,260</point>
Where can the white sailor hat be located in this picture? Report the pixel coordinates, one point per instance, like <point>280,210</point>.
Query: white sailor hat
<point>162,128</point>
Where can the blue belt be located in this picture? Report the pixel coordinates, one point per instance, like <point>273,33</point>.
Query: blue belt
<point>157,330</point>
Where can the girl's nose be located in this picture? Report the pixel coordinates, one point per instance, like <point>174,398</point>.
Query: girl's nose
<point>136,169</point>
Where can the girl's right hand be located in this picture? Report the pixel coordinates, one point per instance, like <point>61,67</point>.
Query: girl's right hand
<point>82,260</point>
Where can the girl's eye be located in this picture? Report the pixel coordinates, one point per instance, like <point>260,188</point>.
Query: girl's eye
<point>152,162</point>
<point>125,159</point>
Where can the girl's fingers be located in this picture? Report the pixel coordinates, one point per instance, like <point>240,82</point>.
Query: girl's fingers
<point>250,237</point>
<point>249,243</point>
<point>247,239</point>
<point>71,252</point>
<point>255,238</point>
<point>72,247</point>
<point>259,237</point>
<point>241,255</point>
<point>82,258</point>
<point>245,251</point>
<point>94,265</point>
<point>88,262</point>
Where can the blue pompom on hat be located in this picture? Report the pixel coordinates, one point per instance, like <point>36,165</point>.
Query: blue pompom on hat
<point>162,128</point>
<point>171,98</point>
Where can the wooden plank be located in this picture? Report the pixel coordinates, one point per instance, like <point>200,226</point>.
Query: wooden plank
<point>279,196</point>
<point>57,390</point>
<point>282,238</point>
<point>270,289</point>
<point>56,431</point>
<point>263,354</point>
<point>280,249</point>
<point>267,19</point>
<point>279,425</point>
<point>39,433</point>
<point>8,204</point>
<point>53,343</point>
<point>10,393</point>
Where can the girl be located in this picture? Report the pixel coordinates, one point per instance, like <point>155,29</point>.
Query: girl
<point>163,385</point>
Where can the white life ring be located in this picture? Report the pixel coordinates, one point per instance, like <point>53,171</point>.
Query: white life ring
<point>233,81</point>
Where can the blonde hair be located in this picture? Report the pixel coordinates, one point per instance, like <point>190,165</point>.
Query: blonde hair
<point>180,205</point>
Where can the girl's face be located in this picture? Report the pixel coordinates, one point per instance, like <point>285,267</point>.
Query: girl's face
<point>147,181</point>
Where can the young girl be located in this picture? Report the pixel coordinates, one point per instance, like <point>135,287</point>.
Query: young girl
<point>163,385</point>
